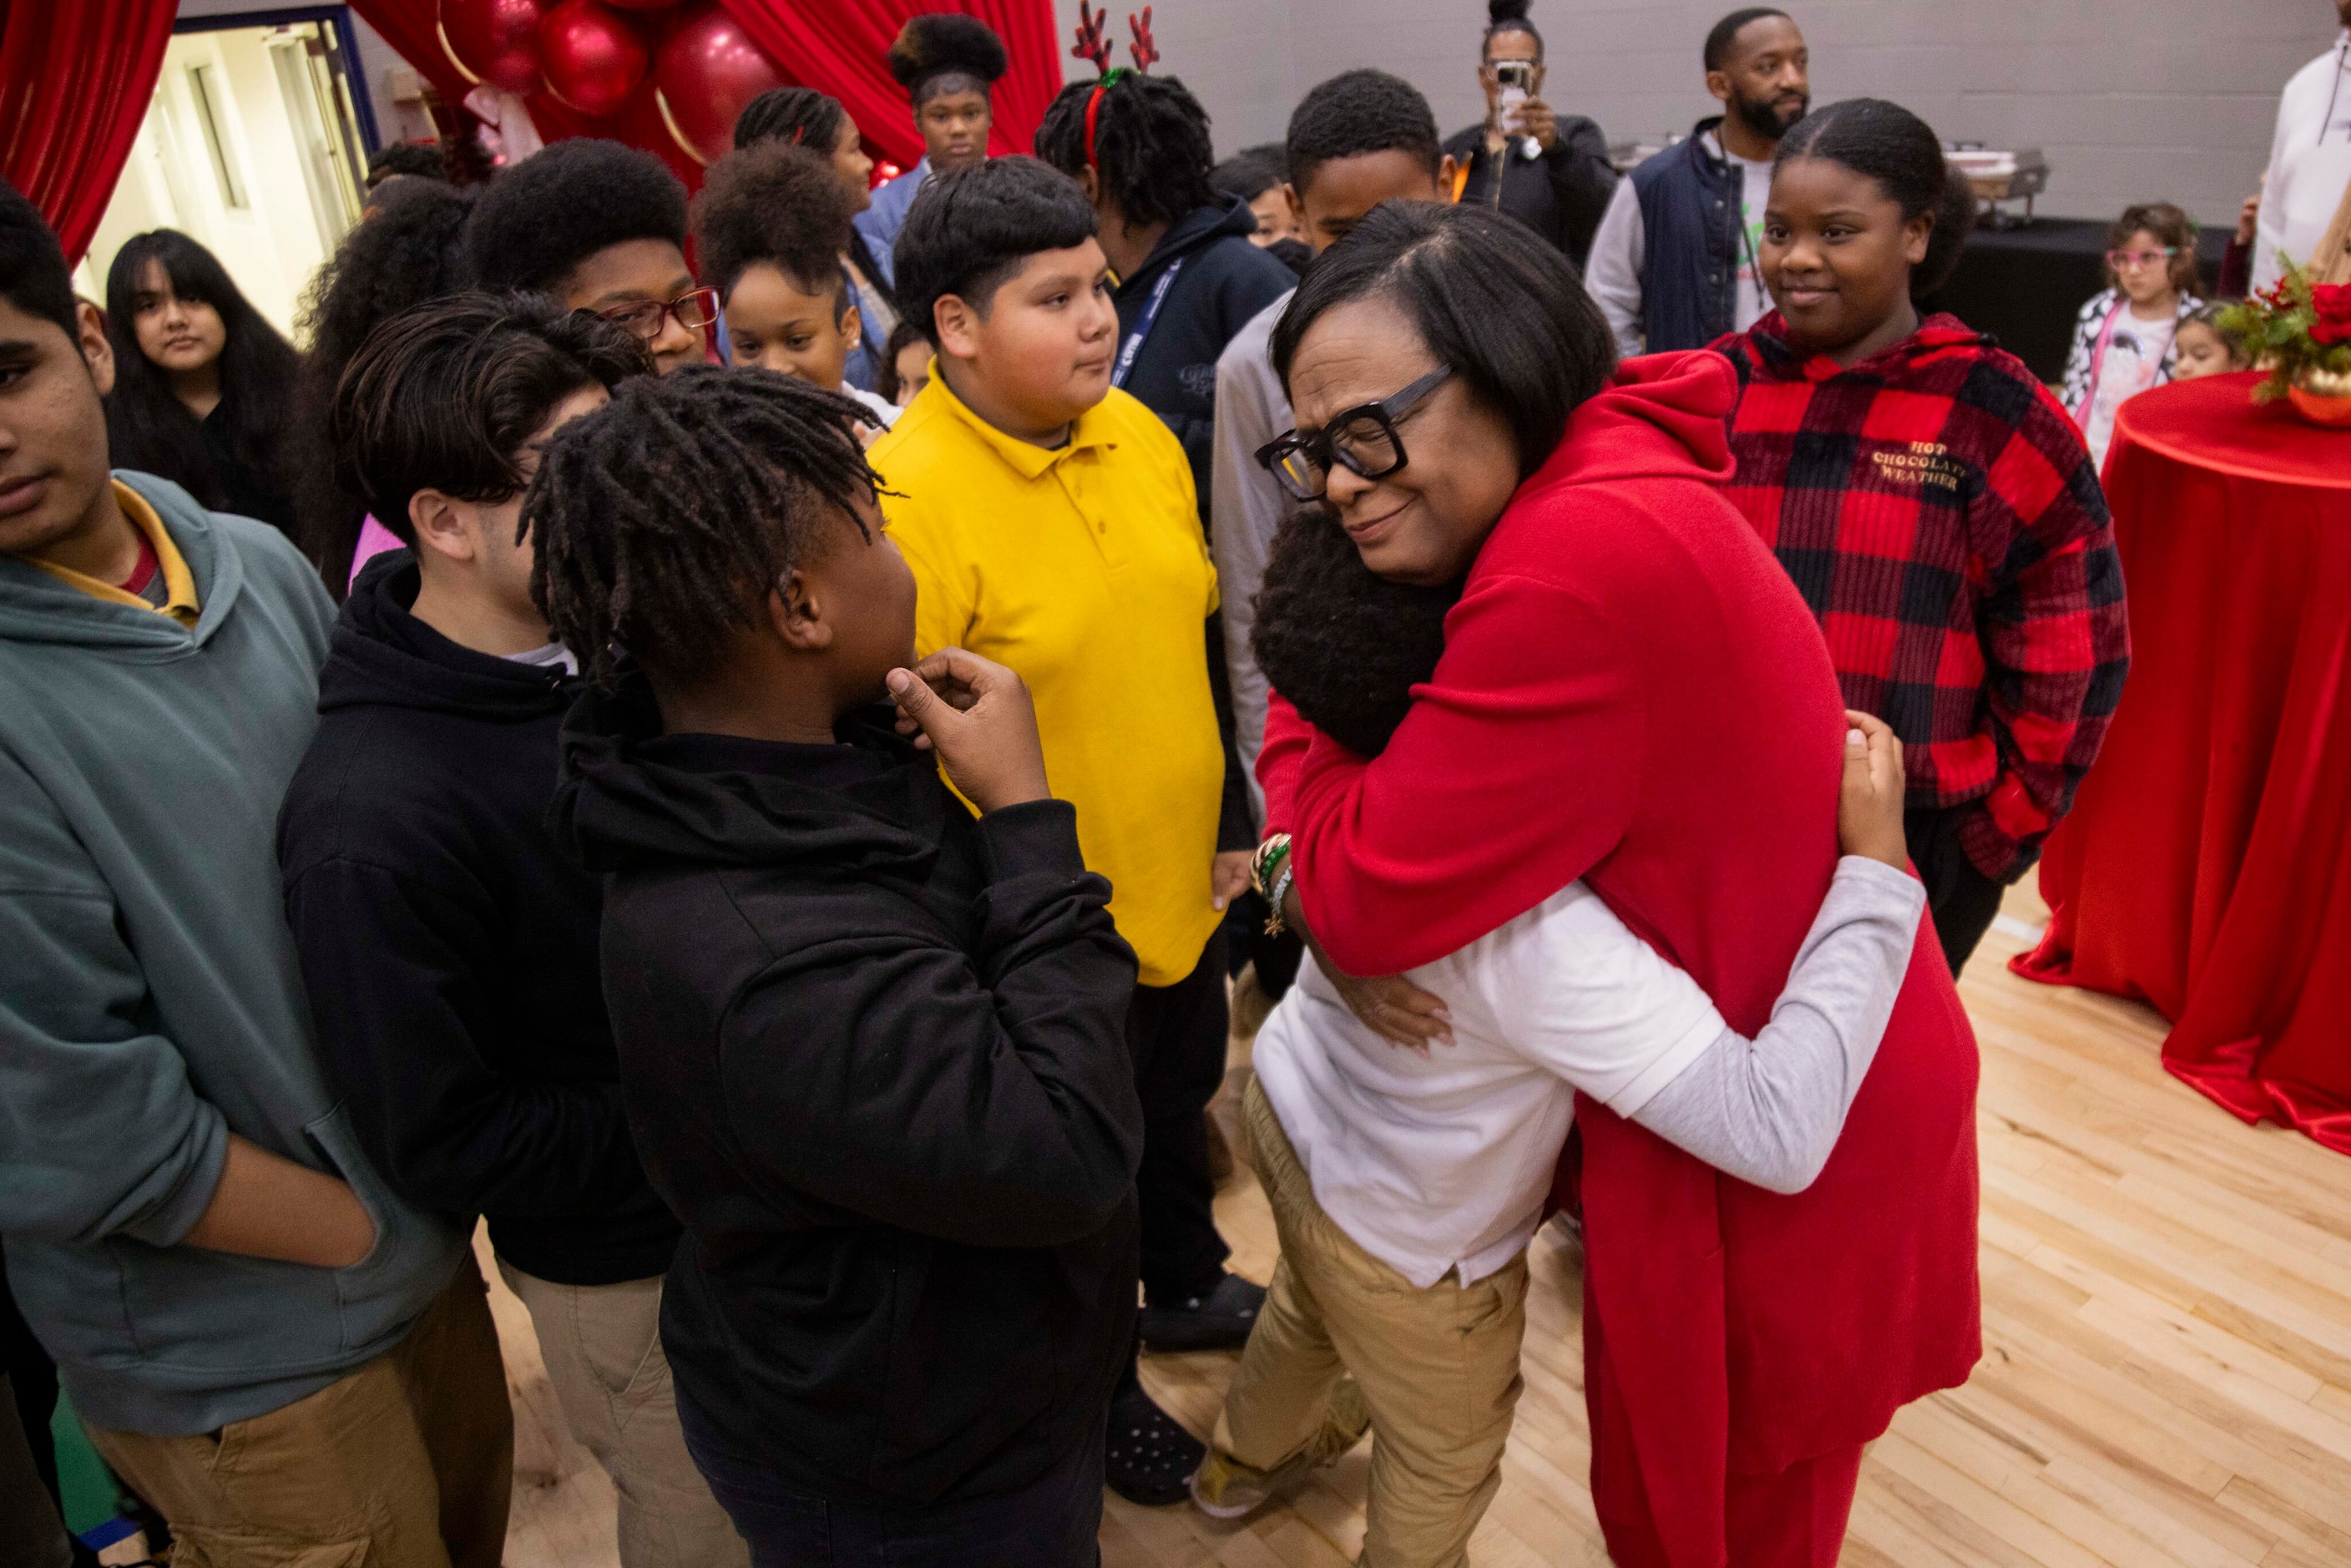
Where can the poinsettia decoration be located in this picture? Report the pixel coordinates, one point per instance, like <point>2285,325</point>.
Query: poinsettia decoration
<point>2297,331</point>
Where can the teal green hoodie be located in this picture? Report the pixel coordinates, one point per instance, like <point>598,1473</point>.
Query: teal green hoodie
<point>151,1003</point>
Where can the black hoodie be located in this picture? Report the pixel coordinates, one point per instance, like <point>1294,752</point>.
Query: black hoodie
<point>876,1058</point>
<point>449,944</point>
<point>1222,280</point>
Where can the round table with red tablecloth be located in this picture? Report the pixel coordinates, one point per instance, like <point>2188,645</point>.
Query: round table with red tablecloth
<point>2207,863</point>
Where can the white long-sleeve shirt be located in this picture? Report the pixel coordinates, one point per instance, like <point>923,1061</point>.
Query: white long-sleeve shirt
<point>2310,162</point>
<point>1439,1161</point>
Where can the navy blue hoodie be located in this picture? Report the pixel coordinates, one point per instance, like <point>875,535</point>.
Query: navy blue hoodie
<point>1221,281</point>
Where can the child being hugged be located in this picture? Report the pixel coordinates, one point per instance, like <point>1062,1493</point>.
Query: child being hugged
<point>873,1047</point>
<point>770,228</point>
<point>1934,504</point>
<point>2126,338</point>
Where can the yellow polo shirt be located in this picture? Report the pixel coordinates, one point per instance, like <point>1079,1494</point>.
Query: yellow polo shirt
<point>1084,569</point>
<point>179,582</point>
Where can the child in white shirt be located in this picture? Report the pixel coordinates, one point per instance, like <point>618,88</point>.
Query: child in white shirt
<point>2125,338</point>
<point>1407,1183</point>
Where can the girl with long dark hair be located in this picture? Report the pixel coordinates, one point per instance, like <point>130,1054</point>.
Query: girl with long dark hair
<point>201,380</point>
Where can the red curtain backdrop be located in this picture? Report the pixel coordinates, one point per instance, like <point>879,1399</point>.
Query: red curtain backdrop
<point>833,46</point>
<point>76,77</point>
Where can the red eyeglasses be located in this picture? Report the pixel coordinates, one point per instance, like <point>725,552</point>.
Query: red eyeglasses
<point>694,310</point>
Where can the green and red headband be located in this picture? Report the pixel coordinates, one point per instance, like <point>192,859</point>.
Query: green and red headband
<point>1095,48</point>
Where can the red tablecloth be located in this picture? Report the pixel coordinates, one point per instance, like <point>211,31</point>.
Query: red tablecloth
<point>2207,863</point>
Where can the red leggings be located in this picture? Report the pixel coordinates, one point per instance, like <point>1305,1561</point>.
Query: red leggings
<point>1795,1519</point>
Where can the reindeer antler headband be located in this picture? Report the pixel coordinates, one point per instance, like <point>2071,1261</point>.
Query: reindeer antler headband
<point>1093,46</point>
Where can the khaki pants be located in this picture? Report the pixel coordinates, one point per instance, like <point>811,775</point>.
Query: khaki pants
<point>1438,1368</point>
<point>405,1463</point>
<point>603,1348</point>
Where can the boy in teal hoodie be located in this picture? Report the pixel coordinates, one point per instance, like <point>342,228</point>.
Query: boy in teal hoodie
<point>270,1348</point>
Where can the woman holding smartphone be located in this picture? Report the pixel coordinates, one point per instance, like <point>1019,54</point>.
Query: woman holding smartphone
<point>1548,171</point>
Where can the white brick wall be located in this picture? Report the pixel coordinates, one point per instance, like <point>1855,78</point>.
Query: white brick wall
<point>2132,100</point>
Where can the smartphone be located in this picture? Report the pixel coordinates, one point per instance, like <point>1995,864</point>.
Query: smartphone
<point>1517,79</point>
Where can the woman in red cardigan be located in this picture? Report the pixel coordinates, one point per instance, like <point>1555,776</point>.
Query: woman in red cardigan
<point>1632,693</point>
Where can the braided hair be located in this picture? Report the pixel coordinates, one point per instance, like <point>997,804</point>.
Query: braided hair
<point>1150,145</point>
<point>799,115</point>
<point>663,517</point>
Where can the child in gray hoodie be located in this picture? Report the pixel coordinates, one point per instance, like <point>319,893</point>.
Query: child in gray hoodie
<point>270,1348</point>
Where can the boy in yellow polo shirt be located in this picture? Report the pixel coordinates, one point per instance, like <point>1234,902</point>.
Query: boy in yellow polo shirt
<point>1051,526</point>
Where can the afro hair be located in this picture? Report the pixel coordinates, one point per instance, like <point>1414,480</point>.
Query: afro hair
<point>541,219</point>
<point>1344,646</point>
<point>944,43</point>
<point>421,160</point>
<point>1356,113</point>
<point>775,202</point>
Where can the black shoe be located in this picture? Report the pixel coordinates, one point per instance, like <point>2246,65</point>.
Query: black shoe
<point>1220,1320</point>
<point>1150,1458</point>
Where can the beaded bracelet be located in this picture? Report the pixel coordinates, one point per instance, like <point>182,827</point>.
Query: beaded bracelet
<point>1266,864</point>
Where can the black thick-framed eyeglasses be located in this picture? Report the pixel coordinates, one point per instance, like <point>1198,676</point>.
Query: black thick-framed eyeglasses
<point>1362,440</point>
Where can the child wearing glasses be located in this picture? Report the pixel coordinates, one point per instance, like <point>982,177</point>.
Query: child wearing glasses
<point>1050,523</point>
<point>602,227</point>
<point>2126,338</point>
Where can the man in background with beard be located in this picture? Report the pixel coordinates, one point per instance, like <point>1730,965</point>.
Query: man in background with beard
<point>1674,263</point>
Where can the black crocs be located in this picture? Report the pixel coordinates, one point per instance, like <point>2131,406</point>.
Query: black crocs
<point>1222,1320</point>
<point>1150,1458</point>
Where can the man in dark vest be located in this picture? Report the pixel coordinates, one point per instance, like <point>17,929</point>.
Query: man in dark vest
<point>1674,263</point>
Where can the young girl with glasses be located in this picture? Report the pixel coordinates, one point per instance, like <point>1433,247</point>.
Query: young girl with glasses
<point>2125,339</point>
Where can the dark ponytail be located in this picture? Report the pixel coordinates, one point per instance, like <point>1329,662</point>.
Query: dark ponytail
<point>1508,17</point>
<point>1900,152</point>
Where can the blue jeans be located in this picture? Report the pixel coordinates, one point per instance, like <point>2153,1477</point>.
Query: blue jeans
<point>1051,1524</point>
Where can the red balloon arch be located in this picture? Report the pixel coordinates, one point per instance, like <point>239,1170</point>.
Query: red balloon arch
<point>672,75</point>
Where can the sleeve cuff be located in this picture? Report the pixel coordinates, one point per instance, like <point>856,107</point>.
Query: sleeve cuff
<point>201,1156</point>
<point>1884,885</point>
<point>1034,837</point>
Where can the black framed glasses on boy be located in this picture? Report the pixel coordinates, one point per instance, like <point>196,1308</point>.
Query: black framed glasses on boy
<point>694,310</point>
<point>1362,440</point>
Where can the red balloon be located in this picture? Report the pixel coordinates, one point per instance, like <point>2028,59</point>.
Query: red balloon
<point>592,55</point>
<point>496,41</point>
<point>707,72</point>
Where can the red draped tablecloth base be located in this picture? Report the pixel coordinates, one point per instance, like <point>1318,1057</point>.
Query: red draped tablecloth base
<point>2207,865</point>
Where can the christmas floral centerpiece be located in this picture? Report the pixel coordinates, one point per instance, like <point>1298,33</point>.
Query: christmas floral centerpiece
<point>2300,332</point>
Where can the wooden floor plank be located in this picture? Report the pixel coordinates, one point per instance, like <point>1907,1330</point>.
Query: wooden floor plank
<point>2167,1378</point>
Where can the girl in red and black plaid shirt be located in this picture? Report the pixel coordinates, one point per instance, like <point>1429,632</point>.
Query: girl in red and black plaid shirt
<point>1932,501</point>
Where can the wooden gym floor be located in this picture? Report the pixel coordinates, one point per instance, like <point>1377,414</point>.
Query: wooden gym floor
<point>2166,1380</point>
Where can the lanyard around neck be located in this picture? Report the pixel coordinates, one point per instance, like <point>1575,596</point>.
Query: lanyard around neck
<point>1133,344</point>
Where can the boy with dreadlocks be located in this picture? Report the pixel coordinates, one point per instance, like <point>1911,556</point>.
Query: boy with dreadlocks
<point>770,228</point>
<point>874,1046</point>
<point>1050,520</point>
<point>948,63</point>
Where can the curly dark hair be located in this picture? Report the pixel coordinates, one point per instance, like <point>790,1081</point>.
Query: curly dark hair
<point>147,426</point>
<point>445,396</point>
<point>799,115</point>
<point>970,229</point>
<point>1344,644</point>
<point>418,160</point>
<point>663,517</point>
<point>885,374</point>
<point>410,251</point>
<point>1356,113</point>
<point>1891,145</point>
<point>555,209</point>
<point>1150,149</point>
<point>778,203</point>
<point>1250,172</point>
<point>943,43</point>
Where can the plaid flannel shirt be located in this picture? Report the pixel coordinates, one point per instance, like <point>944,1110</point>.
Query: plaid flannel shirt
<point>1937,510</point>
